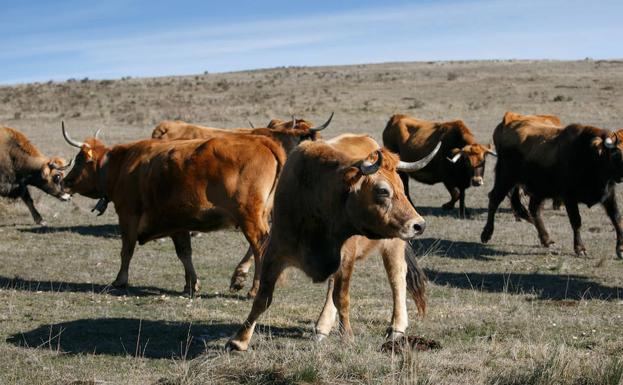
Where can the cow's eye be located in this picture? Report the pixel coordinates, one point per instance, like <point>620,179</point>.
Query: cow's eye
<point>381,192</point>
<point>56,178</point>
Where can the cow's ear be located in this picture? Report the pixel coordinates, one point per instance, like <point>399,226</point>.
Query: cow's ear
<point>45,171</point>
<point>352,175</point>
<point>88,154</point>
<point>597,145</point>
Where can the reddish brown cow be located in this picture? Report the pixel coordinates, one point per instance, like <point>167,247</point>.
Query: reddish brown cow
<point>22,165</point>
<point>322,199</point>
<point>287,134</point>
<point>169,188</point>
<point>579,164</point>
<point>461,160</point>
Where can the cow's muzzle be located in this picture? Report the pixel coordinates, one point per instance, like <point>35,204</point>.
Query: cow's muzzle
<point>412,228</point>
<point>477,181</point>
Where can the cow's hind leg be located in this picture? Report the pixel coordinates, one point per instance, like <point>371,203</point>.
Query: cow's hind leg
<point>326,320</point>
<point>341,293</point>
<point>575,219</point>
<point>128,227</point>
<point>536,209</point>
<point>25,196</point>
<point>501,187</point>
<point>256,233</point>
<point>393,254</point>
<point>241,271</point>
<point>612,209</point>
<point>271,267</point>
<point>184,252</point>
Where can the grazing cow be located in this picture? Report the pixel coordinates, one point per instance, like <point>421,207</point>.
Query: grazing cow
<point>22,165</point>
<point>579,164</point>
<point>287,134</point>
<point>459,164</point>
<point>322,199</point>
<point>169,188</point>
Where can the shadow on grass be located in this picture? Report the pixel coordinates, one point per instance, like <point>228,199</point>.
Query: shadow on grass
<point>455,249</point>
<point>545,286</point>
<point>102,231</point>
<point>21,284</point>
<point>133,337</point>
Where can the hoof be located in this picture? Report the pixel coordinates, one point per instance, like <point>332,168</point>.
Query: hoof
<point>251,294</point>
<point>394,335</point>
<point>319,337</point>
<point>485,236</point>
<point>237,281</point>
<point>547,243</point>
<point>234,346</point>
<point>580,253</point>
<point>619,254</point>
<point>192,292</point>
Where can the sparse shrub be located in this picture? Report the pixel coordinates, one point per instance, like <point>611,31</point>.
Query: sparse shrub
<point>84,80</point>
<point>562,98</point>
<point>452,76</point>
<point>416,104</point>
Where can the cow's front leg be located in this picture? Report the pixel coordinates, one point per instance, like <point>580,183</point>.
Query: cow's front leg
<point>454,196</point>
<point>326,320</point>
<point>241,272</point>
<point>393,253</point>
<point>128,227</point>
<point>536,209</point>
<point>612,209</point>
<point>25,196</point>
<point>184,252</point>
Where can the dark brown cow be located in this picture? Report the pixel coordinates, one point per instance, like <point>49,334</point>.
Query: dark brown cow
<point>579,164</point>
<point>22,165</point>
<point>322,199</point>
<point>169,188</point>
<point>459,164</point>
<point>287,134</point>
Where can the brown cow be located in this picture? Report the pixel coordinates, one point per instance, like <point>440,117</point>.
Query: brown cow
<point>579,164</point>
<point>22,165</point>
<point>461,160</point>
<point>169,188</point>
<point>287,134</point>
<point>398,259</point>
<point>322,199</point>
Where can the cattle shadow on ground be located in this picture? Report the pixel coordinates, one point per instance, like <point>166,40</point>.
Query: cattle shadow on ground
<point>455,249</point>
<point>133,337</point>
<point>102,231</point>
<point>544,286</point>
<point>17,283</point>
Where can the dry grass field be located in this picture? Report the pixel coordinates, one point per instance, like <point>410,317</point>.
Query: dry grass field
<point>508,312</point>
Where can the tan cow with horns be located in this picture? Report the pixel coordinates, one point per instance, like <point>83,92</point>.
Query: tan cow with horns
<point>322,199</point>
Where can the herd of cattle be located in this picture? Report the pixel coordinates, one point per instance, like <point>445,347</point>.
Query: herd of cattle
<point>319,205</point>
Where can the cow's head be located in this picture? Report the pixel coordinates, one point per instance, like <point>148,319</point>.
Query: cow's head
<point>291,134</point>
<point>50,178</point>
<point>609,147</point>
<point>376,203</point>
<point>471,160</point>
<point>84,175</point>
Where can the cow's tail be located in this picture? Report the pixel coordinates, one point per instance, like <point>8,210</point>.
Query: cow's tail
<point>280,157</point>
<point>416,279</point>
<point>519,210</point>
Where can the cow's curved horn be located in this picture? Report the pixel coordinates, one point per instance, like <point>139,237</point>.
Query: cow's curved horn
<point>68,165</point>
<point>97,133</point>
<point>456,157</point>
<point>367,169</point>
<point>251,124</point>
<point>419,164</point>
<point>68,138</point>
<point>491,152</point>
<point>323,126</point>
<point>293,122</point>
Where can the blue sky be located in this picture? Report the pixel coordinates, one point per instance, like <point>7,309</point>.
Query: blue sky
<point>57,40</point>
